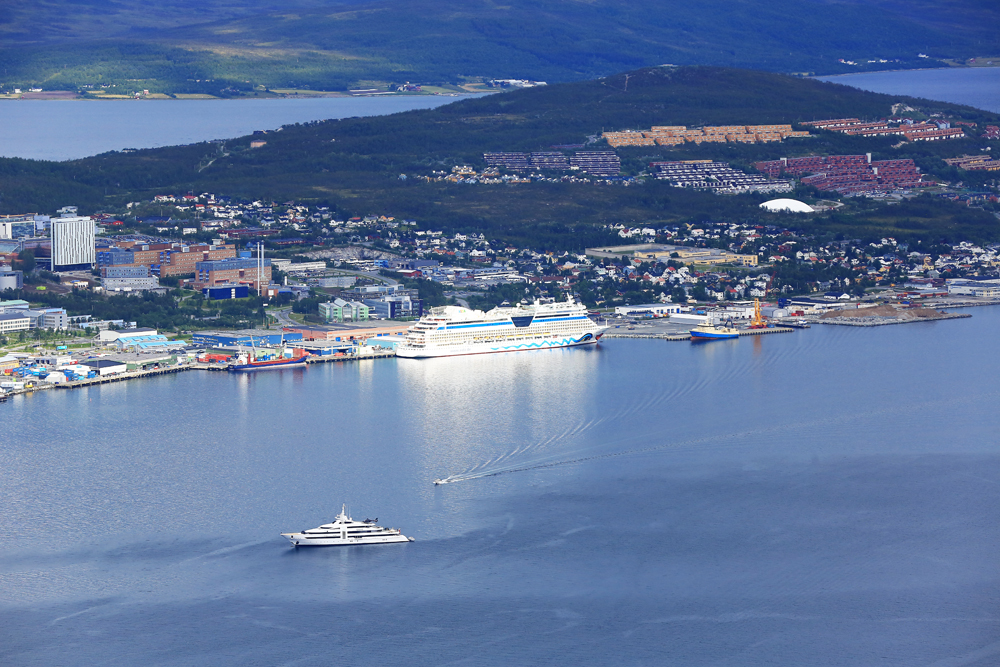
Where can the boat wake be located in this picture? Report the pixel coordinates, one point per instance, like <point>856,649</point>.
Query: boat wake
<point>482,472</point>
<point>503,464</point>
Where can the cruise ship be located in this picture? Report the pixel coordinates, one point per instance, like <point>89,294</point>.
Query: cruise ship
<point>452,330</point>
<point>345,531</point>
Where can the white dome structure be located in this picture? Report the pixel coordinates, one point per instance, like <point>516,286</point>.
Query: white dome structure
<point>787,205</point>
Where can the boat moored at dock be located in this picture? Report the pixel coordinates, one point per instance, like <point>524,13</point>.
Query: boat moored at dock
<point>264,359</point>
<point>704,332</point>
<point>452,330</point>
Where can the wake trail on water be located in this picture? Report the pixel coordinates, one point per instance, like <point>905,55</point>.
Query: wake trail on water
<point>481,472</point>
<point>649,401</point>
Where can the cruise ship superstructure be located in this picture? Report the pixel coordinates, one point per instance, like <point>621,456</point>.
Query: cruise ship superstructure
<point>452,330</point>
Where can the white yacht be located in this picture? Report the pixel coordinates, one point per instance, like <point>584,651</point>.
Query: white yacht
<point>452,330</point>
<point>345,531</point>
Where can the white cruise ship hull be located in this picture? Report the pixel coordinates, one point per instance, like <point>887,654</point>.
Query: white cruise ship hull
<point>306,540</point>
<point>494,347</point>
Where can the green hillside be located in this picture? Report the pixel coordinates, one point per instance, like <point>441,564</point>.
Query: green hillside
<point>177,45</point>
<point>353,165</point>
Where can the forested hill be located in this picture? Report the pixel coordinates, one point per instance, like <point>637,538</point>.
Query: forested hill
<point>354,165</point>
<point>228,47</point>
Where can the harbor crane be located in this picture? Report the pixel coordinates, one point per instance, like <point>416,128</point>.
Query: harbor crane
<point>758,321</point>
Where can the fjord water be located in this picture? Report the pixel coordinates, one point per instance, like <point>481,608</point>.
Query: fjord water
<point>73,129</point>
<point>827,497</point>
<point>975,86</point>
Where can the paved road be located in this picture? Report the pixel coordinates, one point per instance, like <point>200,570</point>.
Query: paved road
<point>282,316</point>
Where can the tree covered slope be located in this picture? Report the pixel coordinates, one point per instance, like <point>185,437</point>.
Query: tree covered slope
<point>334,45</point>
<point>353,165</point>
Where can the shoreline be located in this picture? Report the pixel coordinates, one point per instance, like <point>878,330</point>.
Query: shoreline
<point>76,97</point>
<point>679,334</point>
<point>908,69</point>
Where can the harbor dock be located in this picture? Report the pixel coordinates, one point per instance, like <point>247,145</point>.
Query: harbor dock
<point>768,330</point>
<point>685,335</point>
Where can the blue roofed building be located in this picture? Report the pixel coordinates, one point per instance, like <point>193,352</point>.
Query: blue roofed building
<point>246,338</point>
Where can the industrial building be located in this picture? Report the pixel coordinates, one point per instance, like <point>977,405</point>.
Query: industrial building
<point>648,310</point>
<point>245,338</point>
<point>974,288</point>
<point>226,291</point>
<point>352,335</point>
<point>105,367</point>
<point>11,280</point>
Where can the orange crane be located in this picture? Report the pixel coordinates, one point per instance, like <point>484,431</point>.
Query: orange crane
<point>758,321</point>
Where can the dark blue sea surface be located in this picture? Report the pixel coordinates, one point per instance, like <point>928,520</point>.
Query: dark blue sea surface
<point>73,129</point>
<point>975,86</point>
<point>826,497</point>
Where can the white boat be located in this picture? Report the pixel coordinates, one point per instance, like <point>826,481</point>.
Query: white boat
<point>345,531</point>
<point>452,330</point>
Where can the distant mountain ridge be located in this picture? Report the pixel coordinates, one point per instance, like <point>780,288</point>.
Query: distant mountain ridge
<point>322,44</point>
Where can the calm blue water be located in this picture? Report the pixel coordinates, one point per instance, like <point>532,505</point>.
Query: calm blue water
<point>828,497</point>
<point>977,87</point>
<point>71,129</point>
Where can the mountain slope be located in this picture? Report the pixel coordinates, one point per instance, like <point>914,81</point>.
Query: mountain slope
<point>325,44</point>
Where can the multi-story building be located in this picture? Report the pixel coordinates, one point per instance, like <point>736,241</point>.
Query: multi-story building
<point>14,305</point>
<point>164,259</point>
<point>179,261</point>
<point>14,321</point>
<point>47,318</point>
<point>73,243</point>
<point>339,310</point>
<point>391,307</point>
<point>115,257</point>
<point>127,278</point>
<point>233,271</point>
<point>17,226</point>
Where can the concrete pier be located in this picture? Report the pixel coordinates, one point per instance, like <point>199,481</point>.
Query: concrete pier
<point>769,330</point>
<point>128,375</point>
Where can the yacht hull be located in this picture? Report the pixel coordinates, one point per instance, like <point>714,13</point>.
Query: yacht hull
<point>305,540</point>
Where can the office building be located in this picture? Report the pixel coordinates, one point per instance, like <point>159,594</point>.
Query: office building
<point>234,271</point>
<point>14,321</point>
<point>73,243</point>
<point>127,278</point>
<point>339,310</point>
